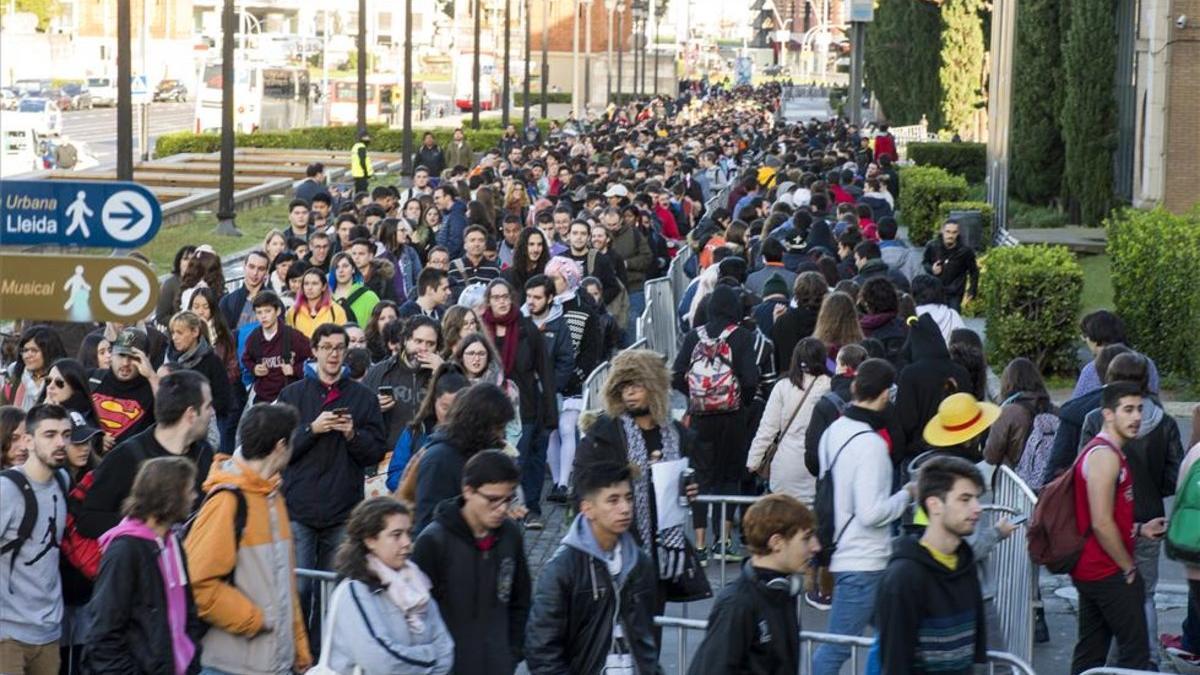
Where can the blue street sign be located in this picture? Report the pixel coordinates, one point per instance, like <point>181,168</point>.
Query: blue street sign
<point>80,213</point>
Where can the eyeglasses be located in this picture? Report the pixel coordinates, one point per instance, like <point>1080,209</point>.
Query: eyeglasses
<point>336,349</point>
<point>495,501</point>
<point>475,355</point>
<point>501,296</point>
<point>58,382</point>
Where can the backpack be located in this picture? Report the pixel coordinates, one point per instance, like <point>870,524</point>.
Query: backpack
<point>1053,534</point>
<point>29,515</point>
<point>823,505</point>
<point>1183,532</point>
<point>1036,454</point>
<point>239,517</point>
<point>836,401</point>
<point>713,387</point>
<point>82,553</point>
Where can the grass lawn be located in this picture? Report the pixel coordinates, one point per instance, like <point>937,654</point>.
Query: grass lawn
<point>1097,282</point>
<point>254,224</point>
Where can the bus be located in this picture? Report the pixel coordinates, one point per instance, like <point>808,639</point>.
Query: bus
<point>464,71</point>
<point>266,98</point>
<point>385,92</point>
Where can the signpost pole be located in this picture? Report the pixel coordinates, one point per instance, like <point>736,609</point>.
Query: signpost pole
<point>507,89</point>
<point>525,102</point>
<point>407,143</point>
<point>124,93</point>
<point>225,208</point>
<point>362,66</point>
<point>545,55</point>
<point>144,103</point>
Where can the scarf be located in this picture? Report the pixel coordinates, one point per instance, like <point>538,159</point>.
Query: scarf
<point>670,545</point>
<point>192,357</point>
<point>511,340</point>
<point>407,588</point>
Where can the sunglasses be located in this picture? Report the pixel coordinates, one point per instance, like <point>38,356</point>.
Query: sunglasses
<point>58,382</point>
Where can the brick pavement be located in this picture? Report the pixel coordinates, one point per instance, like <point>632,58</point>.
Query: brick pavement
<point>541,544</point>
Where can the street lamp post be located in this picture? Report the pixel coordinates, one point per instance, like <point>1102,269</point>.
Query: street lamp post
<point>611,6</point>
<point>587,55</point>
<point>408,77</point>
<point>575,4</point>
<point>475,102</point>
<point>125,92</point>
<point>528,41</point>
<point>506,91</point>
<point>639,55</point>
<point>620,50</point>
<point>545,55</point>
<point>362,66</point>
<point>225,212</point>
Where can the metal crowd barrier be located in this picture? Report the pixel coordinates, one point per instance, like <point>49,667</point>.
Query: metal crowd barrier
<point>326,581</point>
<point>726,515</point>
<point>593,386</point>
<point>809,639</point>
<point>1010,564</point>
<point>658,321</point>
<point>678,276</point>
<point>1116,671</point>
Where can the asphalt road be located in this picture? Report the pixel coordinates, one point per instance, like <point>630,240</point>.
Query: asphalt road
<point>98,127</point>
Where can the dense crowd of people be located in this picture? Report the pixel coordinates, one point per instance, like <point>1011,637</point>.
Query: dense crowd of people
<point>392,391</point>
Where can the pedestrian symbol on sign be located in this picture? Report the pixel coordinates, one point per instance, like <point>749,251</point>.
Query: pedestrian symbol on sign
<point>79,212</point>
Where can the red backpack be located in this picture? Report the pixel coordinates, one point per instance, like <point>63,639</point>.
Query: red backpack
<point>83,553</point>
<point>1053,535</point>
<point>713,386</point>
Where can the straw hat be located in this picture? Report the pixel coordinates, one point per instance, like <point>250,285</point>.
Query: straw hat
<point>959,419</point>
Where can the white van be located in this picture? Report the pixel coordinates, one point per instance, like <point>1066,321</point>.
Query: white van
<point>104,90</point>
<point>21,150</point>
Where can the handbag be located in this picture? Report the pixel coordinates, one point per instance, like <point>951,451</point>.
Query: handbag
<point>692,584</point>
<point>763,470</point>
<point>323,667</point>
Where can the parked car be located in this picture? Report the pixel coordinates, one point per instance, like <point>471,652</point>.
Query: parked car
<point>103,90</point>
<point>8,99</point>
<point>170,90</point>
<point>81,96</point>
<point>42,114</point>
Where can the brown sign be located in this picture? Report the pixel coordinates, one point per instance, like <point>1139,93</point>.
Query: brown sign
<point>75,288</point>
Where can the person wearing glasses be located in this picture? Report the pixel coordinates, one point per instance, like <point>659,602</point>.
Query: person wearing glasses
<point>340,434</point>
<point>474,556</point>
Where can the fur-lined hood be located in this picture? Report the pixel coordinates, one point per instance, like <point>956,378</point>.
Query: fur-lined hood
<point>383,268</point>
<point>647,368</point>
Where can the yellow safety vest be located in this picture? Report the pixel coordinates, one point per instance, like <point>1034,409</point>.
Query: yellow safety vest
<point>359,169</point>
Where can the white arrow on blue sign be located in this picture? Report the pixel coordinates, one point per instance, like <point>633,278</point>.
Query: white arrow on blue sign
<point>80,213</point>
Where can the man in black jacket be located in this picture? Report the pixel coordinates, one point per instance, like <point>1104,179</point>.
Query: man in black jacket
<point>399,382</point>
<point>594,599</point>
<point>952,261</point>
<point>430,156</point>
<point>475,557</point>
<point>341,433</point>
<point>753,626</point>
<point>929,377</point>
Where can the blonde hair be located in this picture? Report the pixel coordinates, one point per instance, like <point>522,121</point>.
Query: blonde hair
<point>193,321</point>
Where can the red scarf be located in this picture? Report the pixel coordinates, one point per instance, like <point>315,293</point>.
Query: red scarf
<point>509,343</point>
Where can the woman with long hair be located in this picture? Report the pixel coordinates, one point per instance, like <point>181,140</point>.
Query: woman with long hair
<point>204,305</point>
<point>395,234</point>
<point>425,233</point>
<point>475,422</point>
<point>315,305</point>
<point>346,285</point>
<point>14,442</point>
<point>383,314</point>
<point>382,617</point>
<point>144,617</point>
<point>516,199</point>
<point>800,318</point>
<point>203,271</point>
<point>1024,397</point>
<point>529,259</point>
<point>966,349</point>
<point>480,363</point>
<point>38,347</point>
<point>278,274</point>
<point>610,331</point>
<point>190,349</point>
<point>443,387</point>
<point>411,213</point>
<point>785,423</point>
<point>457,323</point>
<point>169,294</point>
<point>67,386</point>
<point>837,324</point>
<point>95,352</point>
<point>274,244</point>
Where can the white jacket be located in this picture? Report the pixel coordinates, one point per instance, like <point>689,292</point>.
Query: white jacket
<point>789,476</point>
<point>862,486</point>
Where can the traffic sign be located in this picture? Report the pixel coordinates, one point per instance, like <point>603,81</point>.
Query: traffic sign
<point>139,89</point>
<point>76,288</point>
<point>82,213</point>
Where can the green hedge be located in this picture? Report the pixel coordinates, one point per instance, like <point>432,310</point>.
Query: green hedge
<point>985,208</point>
<point>320,138</point>
<point>968,160</point>
<point>535,97</point>
<point>1155,256</point>
<point>922,191</point>
<point>1031,296</point>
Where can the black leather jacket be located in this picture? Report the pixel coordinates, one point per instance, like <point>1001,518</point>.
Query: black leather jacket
<point>575,601</point>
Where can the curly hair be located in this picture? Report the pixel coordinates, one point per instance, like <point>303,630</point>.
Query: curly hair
<point>477,419</point>
<point>810,290</point>
<point>366,521</point>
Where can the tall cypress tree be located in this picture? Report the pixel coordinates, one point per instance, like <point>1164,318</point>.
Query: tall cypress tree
<point>902,61</point>
<point>1037,151</point>
<point>961,70</point>
<point>1089,110</point>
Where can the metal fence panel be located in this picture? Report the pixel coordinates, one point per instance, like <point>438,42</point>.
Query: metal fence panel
<point>1011,565</point>
<point>661,327</point>
<point>677,275</point>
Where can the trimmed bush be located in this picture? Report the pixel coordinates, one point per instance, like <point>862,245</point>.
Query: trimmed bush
<point>922,191</point>
<point>968,160</point>
<point>903,71</point>
<point>961,64</point>
<point>535,97</point>
<point>1025,217</point>
<point>1031,296</point>
<point>383,139</point>
<point>984,208</point>
<point>1155,255</point>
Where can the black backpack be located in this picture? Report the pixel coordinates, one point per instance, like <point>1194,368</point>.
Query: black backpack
<point>823,504</point>
<point>239,517</point>
<point>348,301</point>
<point>29,516</point>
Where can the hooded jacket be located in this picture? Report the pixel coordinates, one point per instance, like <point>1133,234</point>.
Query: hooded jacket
<point>382,283</point>
<point>633,248</point>
<point>876,267</point>
<point>753,628</point>
<point>827,409</point>
<point>557,337</point>
<point>930,619</point>
<point>439,477</point>
<point>576,601</point>
<point>947,318</point>
<point>324,480</point>
<point>408,383</point>
<point>371,634</point>
<point>1070,430</point>
<point>243,588</point>
<point>929,377</point>
<point>724,309</point>
<point>789,329</point>
<point>901,257</point>
<point>142,589</point>
<point>959,267</point>
<point>1006,439</point>
<point>483,594</point>
<point>454,227</point>
<point>1154,456</point>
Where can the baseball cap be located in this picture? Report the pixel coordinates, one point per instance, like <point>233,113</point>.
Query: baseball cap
<point>129,340</point>
<point>616,190</point>
<point>81,431</point>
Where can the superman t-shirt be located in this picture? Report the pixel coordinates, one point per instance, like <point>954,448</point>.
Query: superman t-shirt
<point>124,408</point>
